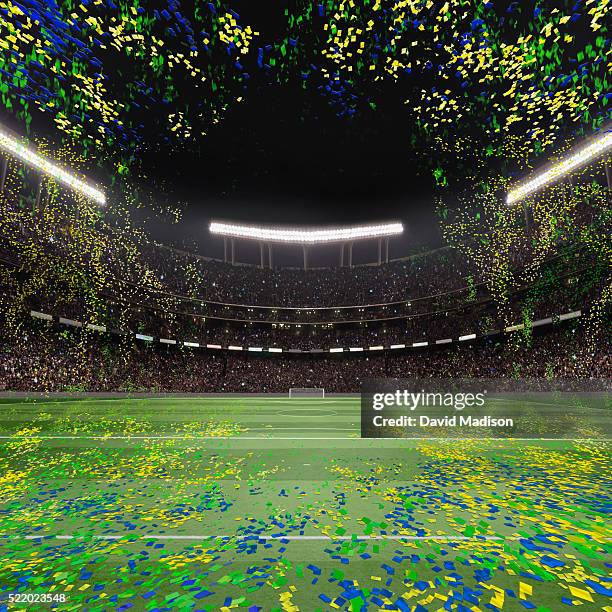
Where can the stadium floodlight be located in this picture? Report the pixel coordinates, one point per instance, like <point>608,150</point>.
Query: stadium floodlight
<point>564,167</point>
<point>14,147</point>
<point>306,236</point>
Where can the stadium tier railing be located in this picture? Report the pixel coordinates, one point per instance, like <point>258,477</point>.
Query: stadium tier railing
<point>421,344</point>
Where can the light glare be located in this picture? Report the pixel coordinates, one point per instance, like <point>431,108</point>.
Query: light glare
<point>302,236</point>
<point>31,158</point>
<point>566,166</point>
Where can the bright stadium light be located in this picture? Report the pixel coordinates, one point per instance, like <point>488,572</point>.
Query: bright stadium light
<point>13,147</point>
<point>591,151</point>
<point>305,236</point>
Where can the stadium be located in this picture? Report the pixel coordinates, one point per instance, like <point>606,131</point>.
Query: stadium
<point>305,306</point>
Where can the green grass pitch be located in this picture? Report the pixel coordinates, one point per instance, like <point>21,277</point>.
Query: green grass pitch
<point>275,504</point>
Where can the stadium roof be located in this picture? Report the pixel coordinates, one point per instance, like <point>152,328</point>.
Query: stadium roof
<point>292,235</point>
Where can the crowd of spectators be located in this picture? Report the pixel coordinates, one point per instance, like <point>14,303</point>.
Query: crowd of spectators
<point>45,360</point>
<point>439,273</point>
<point>423,297</point>
<point>421,275</point>
<point>477,317</point>
<point>206,280</point>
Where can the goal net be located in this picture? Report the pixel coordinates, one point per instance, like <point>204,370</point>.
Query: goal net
<point>306,392</point>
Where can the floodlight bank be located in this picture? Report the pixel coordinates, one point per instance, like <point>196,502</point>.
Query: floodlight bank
<point>17,149</point>
<point>561,169</point>
<point>306,236</point>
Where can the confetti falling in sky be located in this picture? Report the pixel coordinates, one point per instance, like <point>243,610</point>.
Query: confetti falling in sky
<point>466,76</point>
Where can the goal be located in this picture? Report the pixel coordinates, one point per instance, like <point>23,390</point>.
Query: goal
<point>306,392</point>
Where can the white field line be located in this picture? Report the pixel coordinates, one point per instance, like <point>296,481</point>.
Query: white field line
<point>324,413</point>
<point>273,429</point>
<point>297,438</point>
<point>34,402</point>
<point>530,403</point>
<point>326,538</point>
<point>107,437</point>
<point>320,404</point>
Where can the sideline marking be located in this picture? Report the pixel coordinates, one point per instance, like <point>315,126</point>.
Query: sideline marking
<point>457,439</point>
<point>107,437</point>
<point>268,537</point>
<point>323,412</point>
<point>34,402</point>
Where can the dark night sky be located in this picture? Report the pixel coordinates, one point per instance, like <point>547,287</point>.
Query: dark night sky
<point>283,158</point>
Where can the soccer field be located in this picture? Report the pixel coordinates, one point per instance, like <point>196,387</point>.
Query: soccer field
<point>277,504</point>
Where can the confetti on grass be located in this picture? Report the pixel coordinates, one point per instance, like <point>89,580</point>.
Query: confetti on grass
<point>532,518</point>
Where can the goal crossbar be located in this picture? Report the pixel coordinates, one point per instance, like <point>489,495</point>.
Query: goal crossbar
<point>306,392</point>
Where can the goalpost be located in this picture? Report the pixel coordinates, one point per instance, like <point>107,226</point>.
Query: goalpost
<point>306,392</point>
